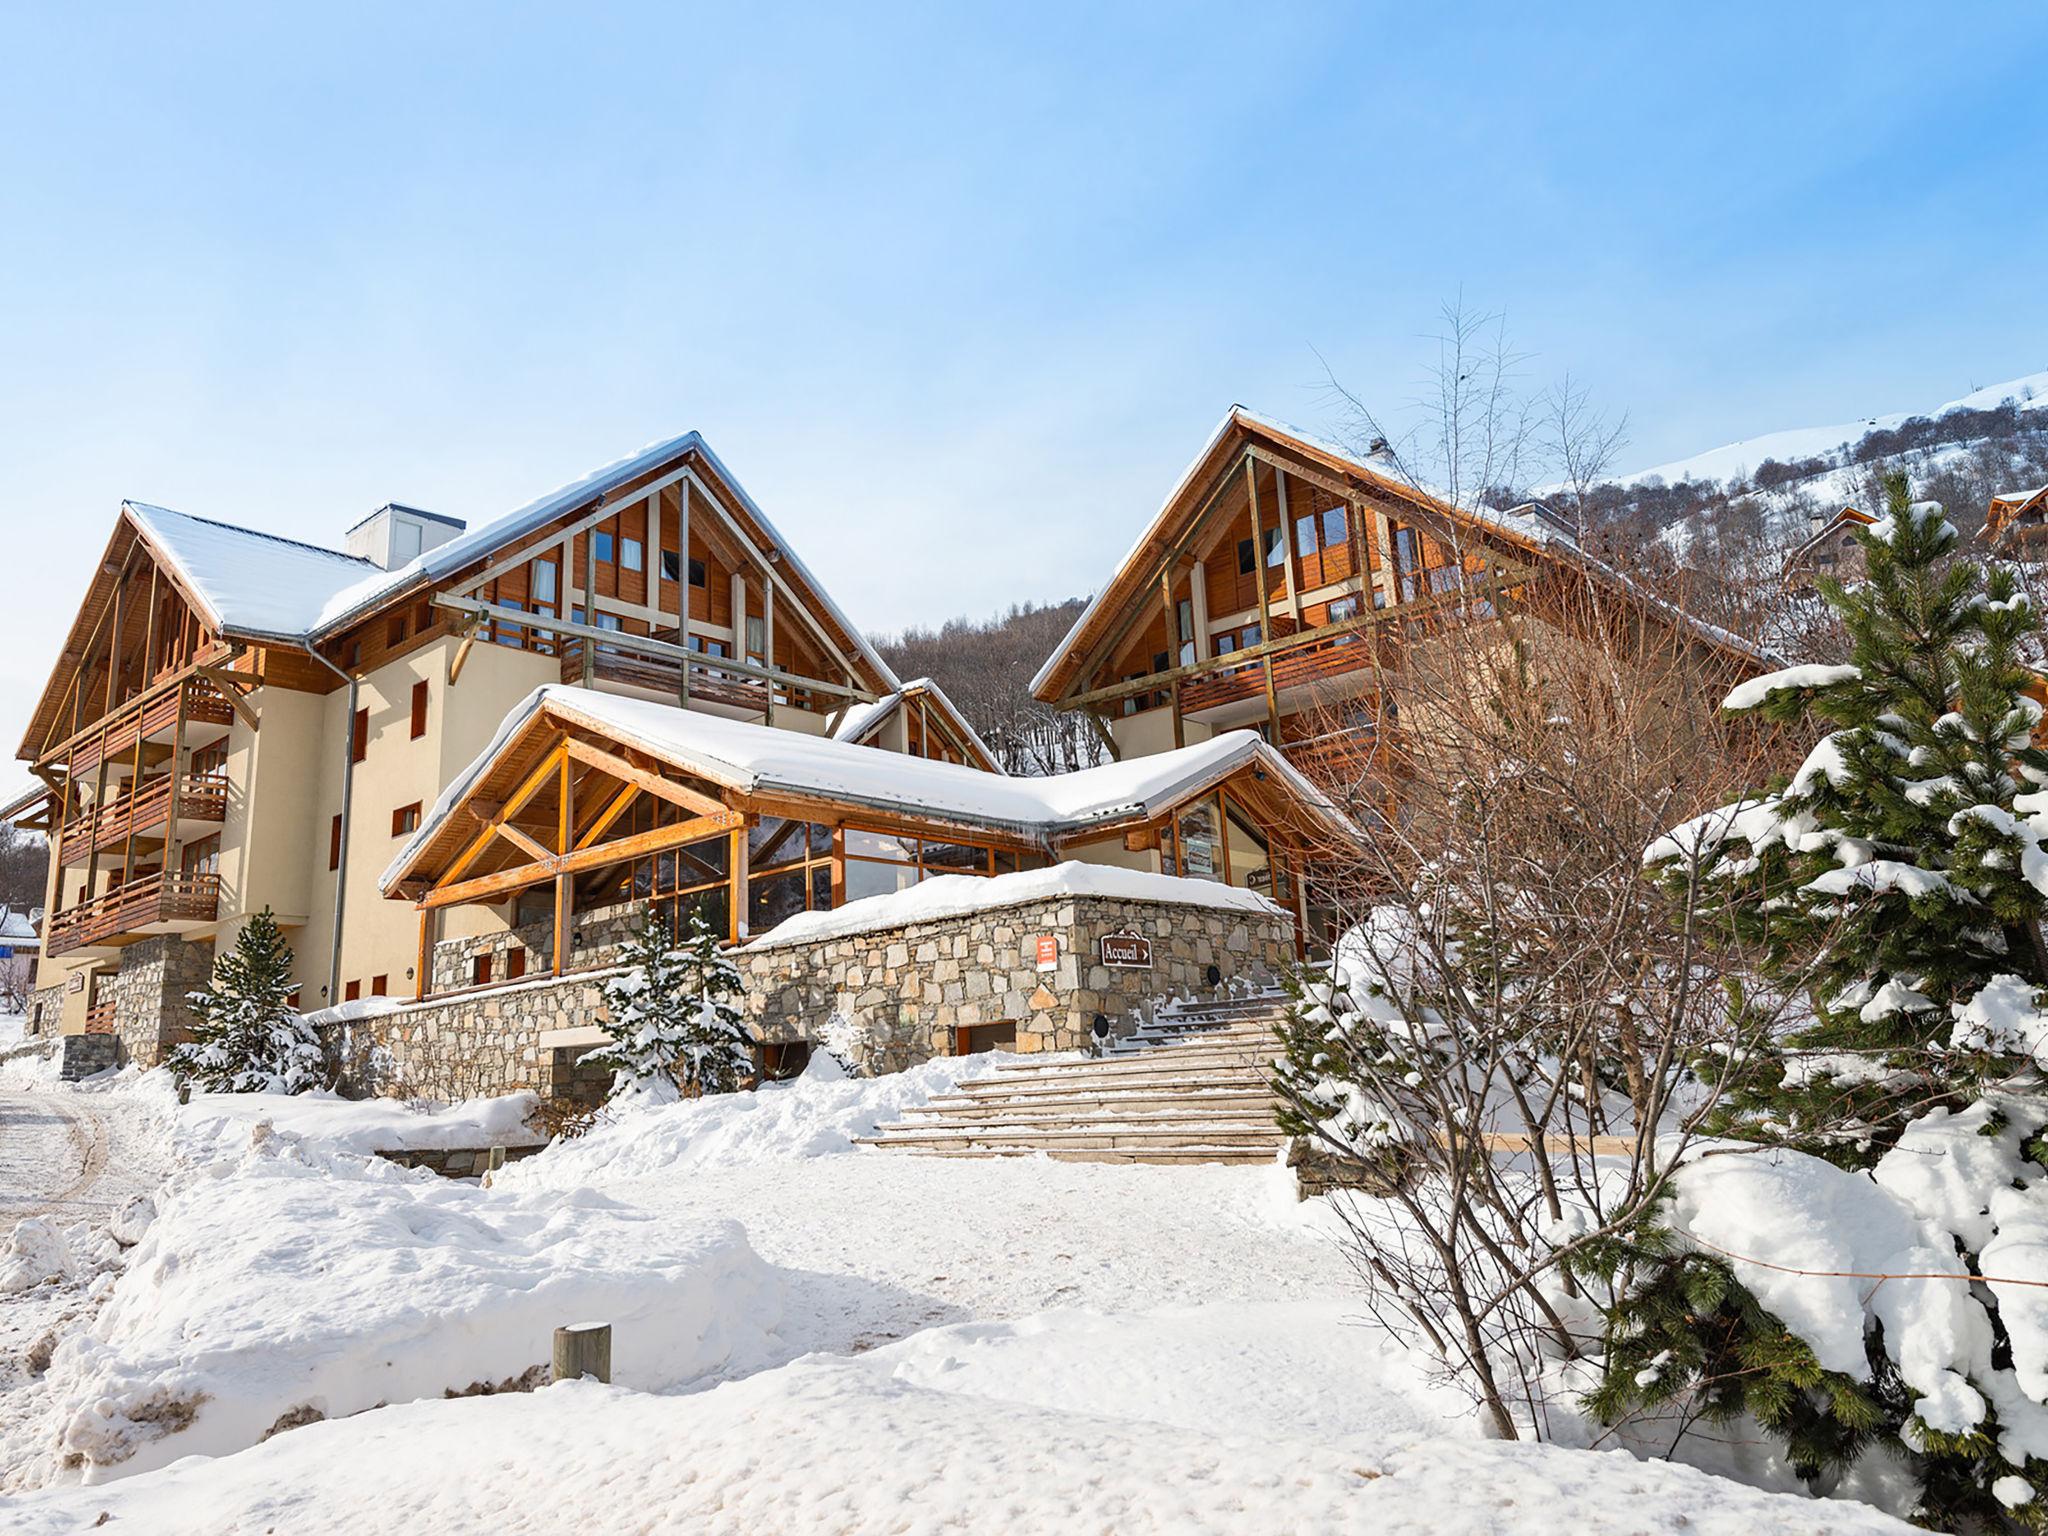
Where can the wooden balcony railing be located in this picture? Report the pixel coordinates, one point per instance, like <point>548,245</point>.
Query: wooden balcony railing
<point>1312,661</point>
<point>159,713</point>
<point>99,1018</point>
<point>152,904</point>
<point>657,674</point>
<point>201,797</point>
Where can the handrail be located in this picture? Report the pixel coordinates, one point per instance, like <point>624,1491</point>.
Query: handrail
<point>153,898</point>
<point>202,796</point>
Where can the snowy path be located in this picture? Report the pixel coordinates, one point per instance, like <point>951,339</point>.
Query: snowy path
<point>74,1156</point>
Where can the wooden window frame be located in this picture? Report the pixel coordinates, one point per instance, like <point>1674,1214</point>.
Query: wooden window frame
<point>359,735</point>
<point>334,843</point>
<point>405,820</point>
<point>419,709</point>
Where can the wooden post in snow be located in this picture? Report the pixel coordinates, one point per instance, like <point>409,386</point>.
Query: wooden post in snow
<point>583,1349</point>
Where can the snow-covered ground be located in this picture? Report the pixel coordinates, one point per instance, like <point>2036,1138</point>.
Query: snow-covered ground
<point>811,1337</point>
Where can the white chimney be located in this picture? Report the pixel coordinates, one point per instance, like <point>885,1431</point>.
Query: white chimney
<point>396,535</point>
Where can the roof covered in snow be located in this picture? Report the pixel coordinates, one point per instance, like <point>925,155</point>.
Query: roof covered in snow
<point>268,587</point>
<point>759,760</point>
<point>863,723</point>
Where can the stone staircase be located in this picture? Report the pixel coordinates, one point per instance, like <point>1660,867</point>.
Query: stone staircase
<point>1189,1087</point>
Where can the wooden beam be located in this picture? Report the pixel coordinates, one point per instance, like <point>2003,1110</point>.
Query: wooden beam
<point>565,886</point>
<point>561,866</point>
<point>528,788</point>
<point>1251,486</point>
<point>1173,642</point>
<point>519,840</point>
<point>241,706</point>
<point>654,784</point>
<point>611,813</point>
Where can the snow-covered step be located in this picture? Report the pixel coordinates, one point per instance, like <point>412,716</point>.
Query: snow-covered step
<point>1092,1116</point>
<point>1053,1096</point>
<point>1133,1155</point>
<point>1205,1133</point>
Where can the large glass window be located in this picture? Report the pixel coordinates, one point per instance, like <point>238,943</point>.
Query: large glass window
<point>1336,528</point>
<point>603,553</point>
<point>1195,836</point>
<point>544,581</point>
<point>878,863</point>
<point>789,870</point>
<point>629,554</point>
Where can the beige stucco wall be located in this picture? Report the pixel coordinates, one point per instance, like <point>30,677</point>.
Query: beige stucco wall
<point>1151,731</point>
<point>381,937</point>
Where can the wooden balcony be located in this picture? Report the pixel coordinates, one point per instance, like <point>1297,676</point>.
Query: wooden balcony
<point>153,719</point>
<point>99,1018</point>
<point>709,684</point>
<point>151,905</point>
<point>202,798</point>
<point>1309,666</point>
<point>1342,759</point>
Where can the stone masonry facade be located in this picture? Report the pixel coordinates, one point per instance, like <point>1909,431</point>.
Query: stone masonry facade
<point>594,937</point>
<point>912,989</point>
<point>149,988</point>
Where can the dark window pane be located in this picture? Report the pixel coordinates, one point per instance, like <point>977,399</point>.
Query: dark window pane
<point>702,863</point>
<point>821,887</point>
<point>771,898</point>
<point>1244,557</point>
<point>1006,863</point>
<point>696,573</point>
<point>773,841</point>
<point>955,859</point>
<point>671,564</point>
<point>821,840</point>
<point>714,905</point>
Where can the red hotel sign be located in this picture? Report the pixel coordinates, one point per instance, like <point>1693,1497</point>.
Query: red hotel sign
<point>1127,951</point>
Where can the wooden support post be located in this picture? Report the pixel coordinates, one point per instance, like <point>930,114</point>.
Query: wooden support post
<point>149,630</point>
<point>1251,485</point>
<point>1173,644</point>
<point>114,641</point>
<point>565,897</point>
<point>683,593</point>
<point>423,977</point>
<point>583,1349</point>
<point>589,604</point>
<point>736,921</point>
<point>768,643</point>
<point>1290,551</point>
<point>177,776</point>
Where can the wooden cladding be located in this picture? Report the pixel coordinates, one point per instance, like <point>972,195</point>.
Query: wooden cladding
<point>156,903</point>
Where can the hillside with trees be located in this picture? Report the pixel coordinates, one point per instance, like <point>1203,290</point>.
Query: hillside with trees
<point>985,666</point>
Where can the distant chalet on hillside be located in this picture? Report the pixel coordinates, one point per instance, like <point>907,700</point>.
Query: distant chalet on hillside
<point>1830,549</point>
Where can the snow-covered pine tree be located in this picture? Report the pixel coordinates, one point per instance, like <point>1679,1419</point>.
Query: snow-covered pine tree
<point>674,1025</point>
<point>1900,878</point>
<point>249,1038</point>
<point>1895,875</point>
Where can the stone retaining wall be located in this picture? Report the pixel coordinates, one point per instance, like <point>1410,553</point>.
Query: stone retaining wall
<point>594,938</point>
<point>912,989</point>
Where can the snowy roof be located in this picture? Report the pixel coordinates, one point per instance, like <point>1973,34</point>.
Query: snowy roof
<point>252,583</point>
<point>1523,524</point>
<point>272,587</point>
<point>863,720</point>
<point>954,895</point>
<point>17,926</point>
<point>758,759</point>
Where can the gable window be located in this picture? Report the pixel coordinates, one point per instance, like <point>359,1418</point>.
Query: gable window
<point>1336,528</point>
<point>1305,536</point>
<point>603,552</point>
<point>671,563</point>
<point>1245,557</point>
<point>757,636</point>
<point>630,557</point>
<point>1184,622</point>
<point>696,573</point>
<point>543,581</point>
<point>1276,552</point>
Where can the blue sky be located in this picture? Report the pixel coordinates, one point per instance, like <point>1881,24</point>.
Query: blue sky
<point>955,291</point>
